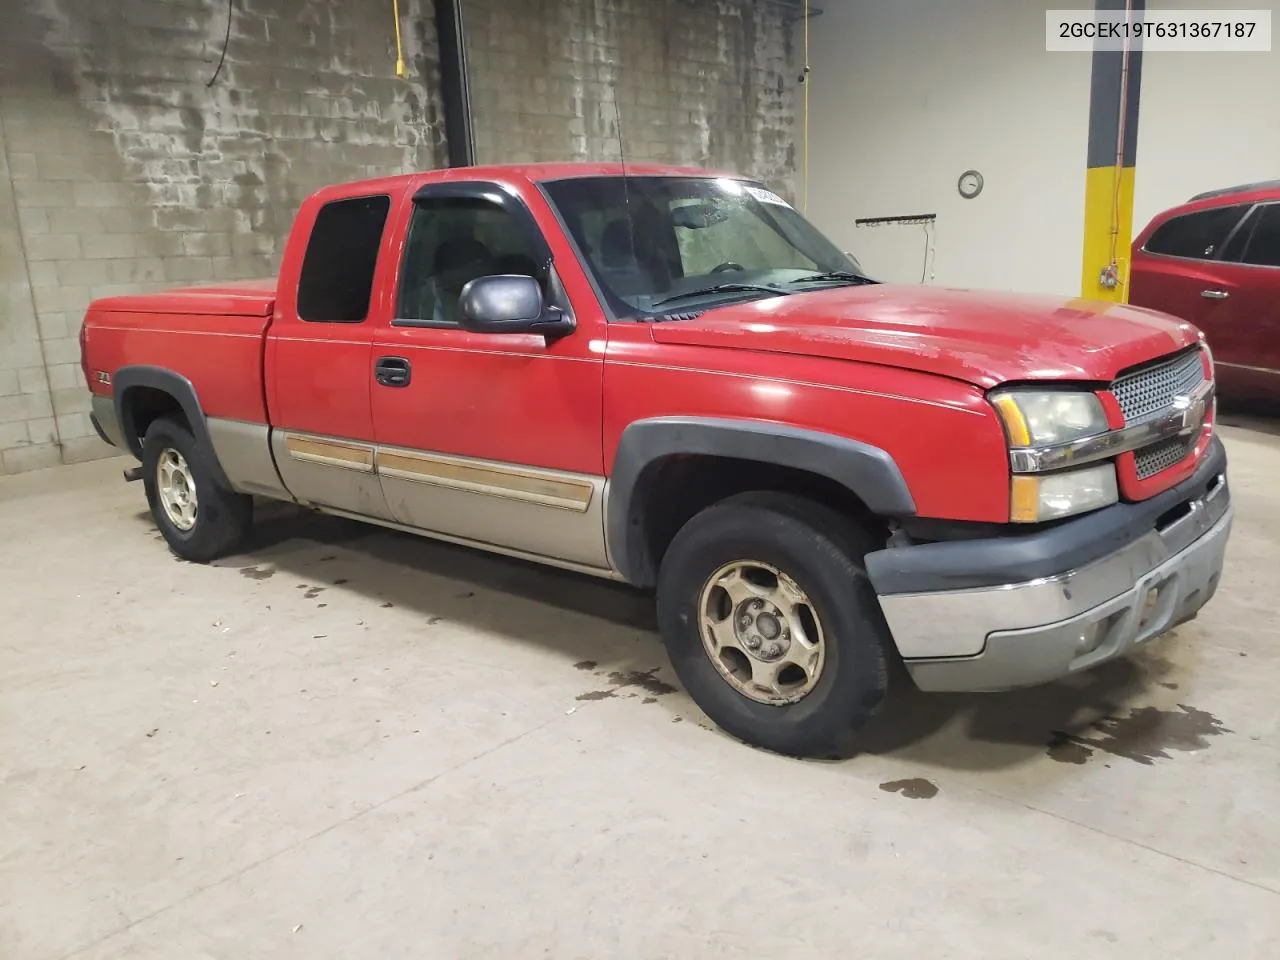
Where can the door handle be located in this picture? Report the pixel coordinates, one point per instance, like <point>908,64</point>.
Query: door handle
<point>1214,294</point>
<point>392,371</point>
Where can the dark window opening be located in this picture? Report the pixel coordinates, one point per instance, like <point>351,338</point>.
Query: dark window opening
<point>1264,243</point>
<point>1197,236</point>
<point>342,254</point>
<point>1238,240</point>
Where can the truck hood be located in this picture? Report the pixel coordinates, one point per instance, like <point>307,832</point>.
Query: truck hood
<point>981,337</point>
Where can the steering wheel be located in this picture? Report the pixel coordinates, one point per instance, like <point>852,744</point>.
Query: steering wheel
<point>727,265</point>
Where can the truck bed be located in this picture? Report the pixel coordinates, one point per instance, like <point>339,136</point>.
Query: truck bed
<point>213,335</point>
<point>241,298</point>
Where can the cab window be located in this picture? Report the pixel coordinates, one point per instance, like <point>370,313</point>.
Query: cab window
<point>342,254</point>
<point>452,241</point>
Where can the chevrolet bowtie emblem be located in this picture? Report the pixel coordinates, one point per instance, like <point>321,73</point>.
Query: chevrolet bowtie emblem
<point>1193,412</point>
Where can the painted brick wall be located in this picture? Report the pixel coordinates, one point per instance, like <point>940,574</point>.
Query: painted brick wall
<point>704,82</point>
<point>125,171</point>
<point>121,169</point>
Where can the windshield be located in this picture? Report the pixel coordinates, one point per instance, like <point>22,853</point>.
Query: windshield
<point>697,241</point>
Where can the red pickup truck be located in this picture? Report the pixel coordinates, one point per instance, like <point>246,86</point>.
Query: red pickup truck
<point>668,377</point>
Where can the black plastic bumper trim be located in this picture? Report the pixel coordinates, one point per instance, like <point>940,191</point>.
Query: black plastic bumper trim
<point>967,564</point>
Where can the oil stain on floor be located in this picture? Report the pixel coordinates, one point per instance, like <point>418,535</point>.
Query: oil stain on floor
<point>622,679</point>
<point>1065,750</point>
<point>915,788</point>
<point>1145,735</point>
<point>257,573</point>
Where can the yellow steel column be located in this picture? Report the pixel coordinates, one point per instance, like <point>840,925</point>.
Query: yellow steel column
<point>1114,93</point>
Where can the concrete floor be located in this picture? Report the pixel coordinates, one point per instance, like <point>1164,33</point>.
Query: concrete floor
<point>353,743</point>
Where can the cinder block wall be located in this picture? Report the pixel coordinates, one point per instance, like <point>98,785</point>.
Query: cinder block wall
<point>123,169</point>
<point>702,82</point>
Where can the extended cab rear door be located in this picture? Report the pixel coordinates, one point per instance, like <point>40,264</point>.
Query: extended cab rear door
<point>490,438</point>
<point>318,352</point>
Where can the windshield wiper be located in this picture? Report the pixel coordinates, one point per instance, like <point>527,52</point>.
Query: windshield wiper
<point>722,288</point>
<point>834,275</point>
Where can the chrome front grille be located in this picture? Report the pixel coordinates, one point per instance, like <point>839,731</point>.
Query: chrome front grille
<point>1148,392</point>
<point>1163,455</point>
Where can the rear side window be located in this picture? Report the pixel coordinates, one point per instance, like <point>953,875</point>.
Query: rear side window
<point>337,270</point>
<point>1264,243</point>
<point>1197,236</point>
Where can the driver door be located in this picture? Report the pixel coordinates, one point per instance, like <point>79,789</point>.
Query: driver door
<point>492,439</point>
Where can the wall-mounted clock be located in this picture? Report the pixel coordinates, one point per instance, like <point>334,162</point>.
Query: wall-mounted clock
<point>969,184</point>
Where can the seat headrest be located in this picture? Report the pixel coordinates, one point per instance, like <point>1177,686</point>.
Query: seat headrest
<point>616,247</point>
<point>461,252</point>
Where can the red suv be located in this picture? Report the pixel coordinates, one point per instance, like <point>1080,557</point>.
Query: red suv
<point>1215,261</point>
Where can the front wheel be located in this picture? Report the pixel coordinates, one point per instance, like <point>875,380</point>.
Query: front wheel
<point>199,518</point>
<point>771,623</point>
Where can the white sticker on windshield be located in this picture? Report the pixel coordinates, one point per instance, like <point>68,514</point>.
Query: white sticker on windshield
<point>766,196</point>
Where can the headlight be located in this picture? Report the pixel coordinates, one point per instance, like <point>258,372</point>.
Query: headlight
<point>1043,418</point>
<point>1048,418</point>
<point>1038,497</point>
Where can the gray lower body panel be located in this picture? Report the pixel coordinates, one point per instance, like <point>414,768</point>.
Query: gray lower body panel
<point>102,414</point>
<point>527,511</point>
<point>244,450</point>
<point>329,472</point>
<point>566,525</point>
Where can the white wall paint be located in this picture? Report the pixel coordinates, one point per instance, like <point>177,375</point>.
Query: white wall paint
<point>906,96</point>
<point>1207,120</point>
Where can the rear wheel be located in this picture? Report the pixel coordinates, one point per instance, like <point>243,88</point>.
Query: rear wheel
<point>771,623</point>
<point>199,518</point>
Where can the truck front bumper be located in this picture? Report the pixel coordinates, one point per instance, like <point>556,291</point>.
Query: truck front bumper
<point>1124,575</point>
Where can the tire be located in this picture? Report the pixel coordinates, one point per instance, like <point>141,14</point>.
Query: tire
<point>821,554</point>
<point>219,518</point>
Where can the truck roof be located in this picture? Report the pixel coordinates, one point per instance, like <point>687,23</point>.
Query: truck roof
<point>537,173</point>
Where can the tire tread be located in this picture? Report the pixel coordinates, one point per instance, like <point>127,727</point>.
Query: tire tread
<point>829,548</point>
<point>224,515</point>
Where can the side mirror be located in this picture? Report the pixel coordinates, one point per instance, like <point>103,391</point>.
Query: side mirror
<point>510,304</point>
